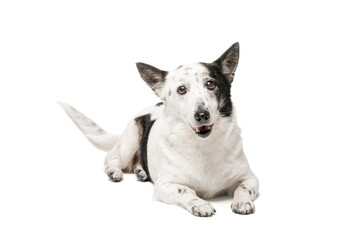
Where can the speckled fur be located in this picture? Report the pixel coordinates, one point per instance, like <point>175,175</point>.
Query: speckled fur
<point>184,168</point>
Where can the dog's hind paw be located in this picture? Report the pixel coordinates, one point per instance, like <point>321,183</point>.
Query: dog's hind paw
<point>243,208</point>
<point>115,175</point>
<point>141,174</point>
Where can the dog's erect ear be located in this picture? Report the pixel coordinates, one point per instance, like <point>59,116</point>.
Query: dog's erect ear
<point>153,77</point>
<point>229,61</point>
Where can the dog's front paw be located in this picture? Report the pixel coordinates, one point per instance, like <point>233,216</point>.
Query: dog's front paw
<point>203,209</point>
<point>115,175</point>
<point>243,208</point>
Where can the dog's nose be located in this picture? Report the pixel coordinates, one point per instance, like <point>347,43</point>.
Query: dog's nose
<point>202,115</point>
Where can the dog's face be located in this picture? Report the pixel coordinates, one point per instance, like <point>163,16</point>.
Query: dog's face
<point>198,93</point>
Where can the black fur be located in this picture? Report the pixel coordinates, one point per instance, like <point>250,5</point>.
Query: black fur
<point>159,104</point>
<point>146,124</point>
<point>222,92</point>
<point>181,191</point>
<point>248,190</point>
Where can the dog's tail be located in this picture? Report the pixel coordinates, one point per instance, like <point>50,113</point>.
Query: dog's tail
<point>94,133</point>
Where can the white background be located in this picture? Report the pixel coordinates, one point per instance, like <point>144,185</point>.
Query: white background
<point>296,91</point>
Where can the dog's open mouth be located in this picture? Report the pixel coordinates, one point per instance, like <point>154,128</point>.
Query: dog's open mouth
<point>203,131</point>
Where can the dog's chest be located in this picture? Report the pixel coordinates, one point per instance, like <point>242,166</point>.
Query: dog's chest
<point>208,171</point>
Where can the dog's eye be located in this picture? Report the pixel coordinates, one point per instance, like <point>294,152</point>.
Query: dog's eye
<point>210,85</point>
<point>182,90</point>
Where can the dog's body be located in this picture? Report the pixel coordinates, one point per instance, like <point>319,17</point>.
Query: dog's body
<point>189,146</point>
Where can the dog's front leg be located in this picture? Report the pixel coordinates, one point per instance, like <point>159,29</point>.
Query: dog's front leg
<point>244,194</point>
<point>183,196</point>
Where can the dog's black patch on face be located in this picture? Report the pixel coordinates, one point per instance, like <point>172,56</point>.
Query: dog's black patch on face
<point>222,91</point>
<point>146,124</point>
<point>159,104</point>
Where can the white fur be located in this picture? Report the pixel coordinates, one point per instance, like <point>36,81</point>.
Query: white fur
<point>183,167</point>
<point>192,76</point>
<point>94,133</point>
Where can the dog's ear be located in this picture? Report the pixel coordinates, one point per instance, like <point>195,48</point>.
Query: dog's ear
<point>228,61</point>
<point>153,77</point>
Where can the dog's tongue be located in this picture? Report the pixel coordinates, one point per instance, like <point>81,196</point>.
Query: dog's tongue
<point>203,128</point>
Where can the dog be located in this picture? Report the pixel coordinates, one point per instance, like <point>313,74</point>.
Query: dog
<point>189,145</point>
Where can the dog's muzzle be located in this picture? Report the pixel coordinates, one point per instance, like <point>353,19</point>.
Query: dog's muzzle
<point>203,131</point>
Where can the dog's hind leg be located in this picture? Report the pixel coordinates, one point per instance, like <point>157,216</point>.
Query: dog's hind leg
<point>112,165</point>
<point>123,156</point>
<point>140,172</point>
<point>123,150</point>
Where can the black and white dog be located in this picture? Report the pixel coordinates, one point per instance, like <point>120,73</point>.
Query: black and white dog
<point>189,145</point>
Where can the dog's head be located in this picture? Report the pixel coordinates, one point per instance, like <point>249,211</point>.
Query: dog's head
<point>198,93</point>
